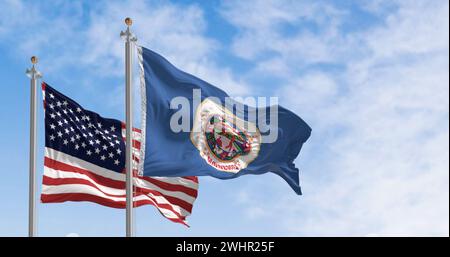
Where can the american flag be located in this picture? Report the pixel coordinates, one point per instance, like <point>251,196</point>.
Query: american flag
<point>85,161</point>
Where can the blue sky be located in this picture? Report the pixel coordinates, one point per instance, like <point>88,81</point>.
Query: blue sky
<point>370,77</point>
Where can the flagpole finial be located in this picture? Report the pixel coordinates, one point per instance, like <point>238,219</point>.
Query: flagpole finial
<point>34,59</point>
<point>128,21</point>
<point>33,72</point>
<point>127,35</point>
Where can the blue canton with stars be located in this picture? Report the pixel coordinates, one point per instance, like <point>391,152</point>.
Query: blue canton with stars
<point>71,129</point>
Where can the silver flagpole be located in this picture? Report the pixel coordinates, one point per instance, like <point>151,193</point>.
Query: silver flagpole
<point>129,40</point>
<point>34,76</point>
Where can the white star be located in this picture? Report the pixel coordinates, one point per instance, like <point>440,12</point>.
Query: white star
<point>77,146</point>
<point>71,129</point>
<point>102,157</point>
<point>99,125</point>
<point>76,118</point>
<point>90,125</point>
<point>67,131</point>
<point>91,142</point>
<point>72,139</point>
<point>70,110</point>
<point>97,141</point>
<point>64,111</point>
<point>65,103</point>
<point>111,155</point>
<point>51,95</point>
<point>88,118</point>
<point>65,121</point>
<point>116,162</point>
<point>83,127</point>
<point>52,115</point>
<point>52,137</point>
<point>118,151</point>
<point>88,152</point>
<point>52,126</point>
<point>65,142</point>
<point>97,151</point>
<point>60,123</point>
<point>58,113</point>
<point>90,134</point>
<point>83,145</point>
<point>77,136</point>
<point>106,131</point>
<point>113,128</point>
<point>60,134</point>
<point>78,109</point>
<point>83,117</point>
<point>117,142</point>
<point>105,147</point>
<point>111,143</point>
<point>97,131</point>
<point>58,103</point>
<point>51,106</point>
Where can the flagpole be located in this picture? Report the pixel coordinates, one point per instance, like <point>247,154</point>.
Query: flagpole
<point>129,40</point>
<point>34,75</point>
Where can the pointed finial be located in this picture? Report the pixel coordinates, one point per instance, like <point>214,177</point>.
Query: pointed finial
<point>34,59</point>
<point>128,21</point>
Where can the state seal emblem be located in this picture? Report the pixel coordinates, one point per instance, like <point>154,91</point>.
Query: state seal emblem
<point>224,141</point>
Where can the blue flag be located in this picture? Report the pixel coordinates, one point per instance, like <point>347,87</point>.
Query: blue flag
<point>193,128</point>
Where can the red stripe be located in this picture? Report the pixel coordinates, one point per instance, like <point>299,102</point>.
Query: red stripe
<point>80,197</point>
<point>137,144</point>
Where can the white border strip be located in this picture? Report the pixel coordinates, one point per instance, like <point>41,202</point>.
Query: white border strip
<point>143,110</point>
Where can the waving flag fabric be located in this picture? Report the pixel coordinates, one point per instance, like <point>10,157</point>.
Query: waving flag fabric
<point>85,161</point>
<point>218,147</point>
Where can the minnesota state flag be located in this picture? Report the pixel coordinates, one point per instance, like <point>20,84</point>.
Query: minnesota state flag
<point>220,137</point>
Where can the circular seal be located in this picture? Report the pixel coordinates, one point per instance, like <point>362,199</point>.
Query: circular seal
<point>221,139</point>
